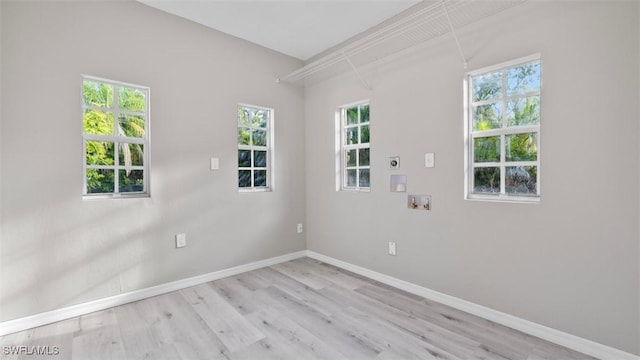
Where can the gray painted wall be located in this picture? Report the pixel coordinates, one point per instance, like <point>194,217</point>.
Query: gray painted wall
<point>570,262</point>
<point>58,250</point>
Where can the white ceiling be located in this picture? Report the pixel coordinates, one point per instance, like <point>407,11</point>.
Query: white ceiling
<point>299,28</point>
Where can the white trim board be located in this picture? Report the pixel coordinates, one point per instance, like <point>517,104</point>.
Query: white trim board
<point>12,326</point>
<point>543,332</point>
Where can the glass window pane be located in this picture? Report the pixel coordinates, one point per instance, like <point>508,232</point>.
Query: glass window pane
<point>364,113</point>
<point>259,118</point>
<point>131,126</point>
<point>95,93</point>
<point>351,158</point>
<point>99,152</point>
<point>244,136</point>
<point>260,159</point>
<point>521,147</point>
<point>244,178</point>
<point>486,149</point>
<point>487,86</point>
<point>364,178</point>
<point>352,116</point>
<point>131,99</point>
<point>244,158</point>
<point>131,154</point>
<point>521,180</point>
<point>523,111</point>
<point>352,135</point>
<point>486,180</point>
<point>260,178</point>
<point>259,137</point>
<point>244,116</point>
<point>100,181</point>
<point>98,122</point>
<point>351,177</point>
<point>364,134</point>
<point>486,117</point>
<point>363,158</point>
<point>523,79</point>
<point>131,181</point>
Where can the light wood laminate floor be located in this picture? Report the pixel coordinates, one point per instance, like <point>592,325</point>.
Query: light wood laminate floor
<point>301,309</point>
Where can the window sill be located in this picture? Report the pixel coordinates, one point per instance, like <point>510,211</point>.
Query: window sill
<point>504,199</point>
<point>115,196</point>
<point>364,190</point>
<point>250,190</point>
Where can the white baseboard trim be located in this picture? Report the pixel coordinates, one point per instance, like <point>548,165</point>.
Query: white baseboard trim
<point>546,333</point>
<point>12,326</point>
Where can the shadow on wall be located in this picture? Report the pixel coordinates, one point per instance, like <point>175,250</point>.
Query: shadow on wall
<point>68,250</point>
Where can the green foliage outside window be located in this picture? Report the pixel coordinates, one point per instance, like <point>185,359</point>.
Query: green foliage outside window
<point>503,101</point>
<point>99,119</point>
<point>253,147</point>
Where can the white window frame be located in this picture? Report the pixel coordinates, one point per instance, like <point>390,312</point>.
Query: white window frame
<point>344,147</point>
<point>269,148</point>
<point>116,139</point>
<point>470,134</point>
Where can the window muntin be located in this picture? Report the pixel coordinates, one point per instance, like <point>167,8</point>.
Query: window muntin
<point>355,152</point>
<point>115,132</point>
<point>503,127</point>
<point>254,147</point>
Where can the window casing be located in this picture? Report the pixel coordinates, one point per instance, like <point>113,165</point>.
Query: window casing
<point>355,147</point>
<point>255,148</point>
<point>115,133</point>
<point>502,132</point>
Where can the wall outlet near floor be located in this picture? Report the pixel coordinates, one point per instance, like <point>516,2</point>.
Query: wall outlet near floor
<point>181,240</point>
<point>392,248</point>
<point>299,228</point>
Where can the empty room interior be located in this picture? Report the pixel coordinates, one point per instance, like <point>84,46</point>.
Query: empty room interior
<point>400,179</point>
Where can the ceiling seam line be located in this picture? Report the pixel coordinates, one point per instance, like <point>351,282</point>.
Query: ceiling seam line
<point>362,80</point>
<point>453,32</point>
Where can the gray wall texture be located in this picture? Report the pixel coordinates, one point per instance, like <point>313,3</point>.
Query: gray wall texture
<point>570,262</point>
<point>58,249</point>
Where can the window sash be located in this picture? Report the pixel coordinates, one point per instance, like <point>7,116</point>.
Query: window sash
<point>117,140</point>
<point>346,148</point>
<point>268,148</point>
<point>502,132</point>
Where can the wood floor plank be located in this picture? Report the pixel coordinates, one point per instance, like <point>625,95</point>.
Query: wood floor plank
<point>99,337</point>
<point>57,338</point>
<point>301,309</point>
<point>507,344</point>
<point>333,330</point>
<point>332,274</point>
<point>299,272</point>
<point>391,338</point>
<point>173,321</point>
<point>230,326</point>
<point>412,326</point>
<point>11,342</point>
<point>239,292</point>
<point>138,339</point>
<point>285,333</point>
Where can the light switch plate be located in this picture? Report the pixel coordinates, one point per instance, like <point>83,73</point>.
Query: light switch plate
<point>215,163</point>
<point>181,240</point>
<point>429,160</point>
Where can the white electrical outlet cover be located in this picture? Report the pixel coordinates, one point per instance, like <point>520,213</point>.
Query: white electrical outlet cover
<point>392,248</point>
